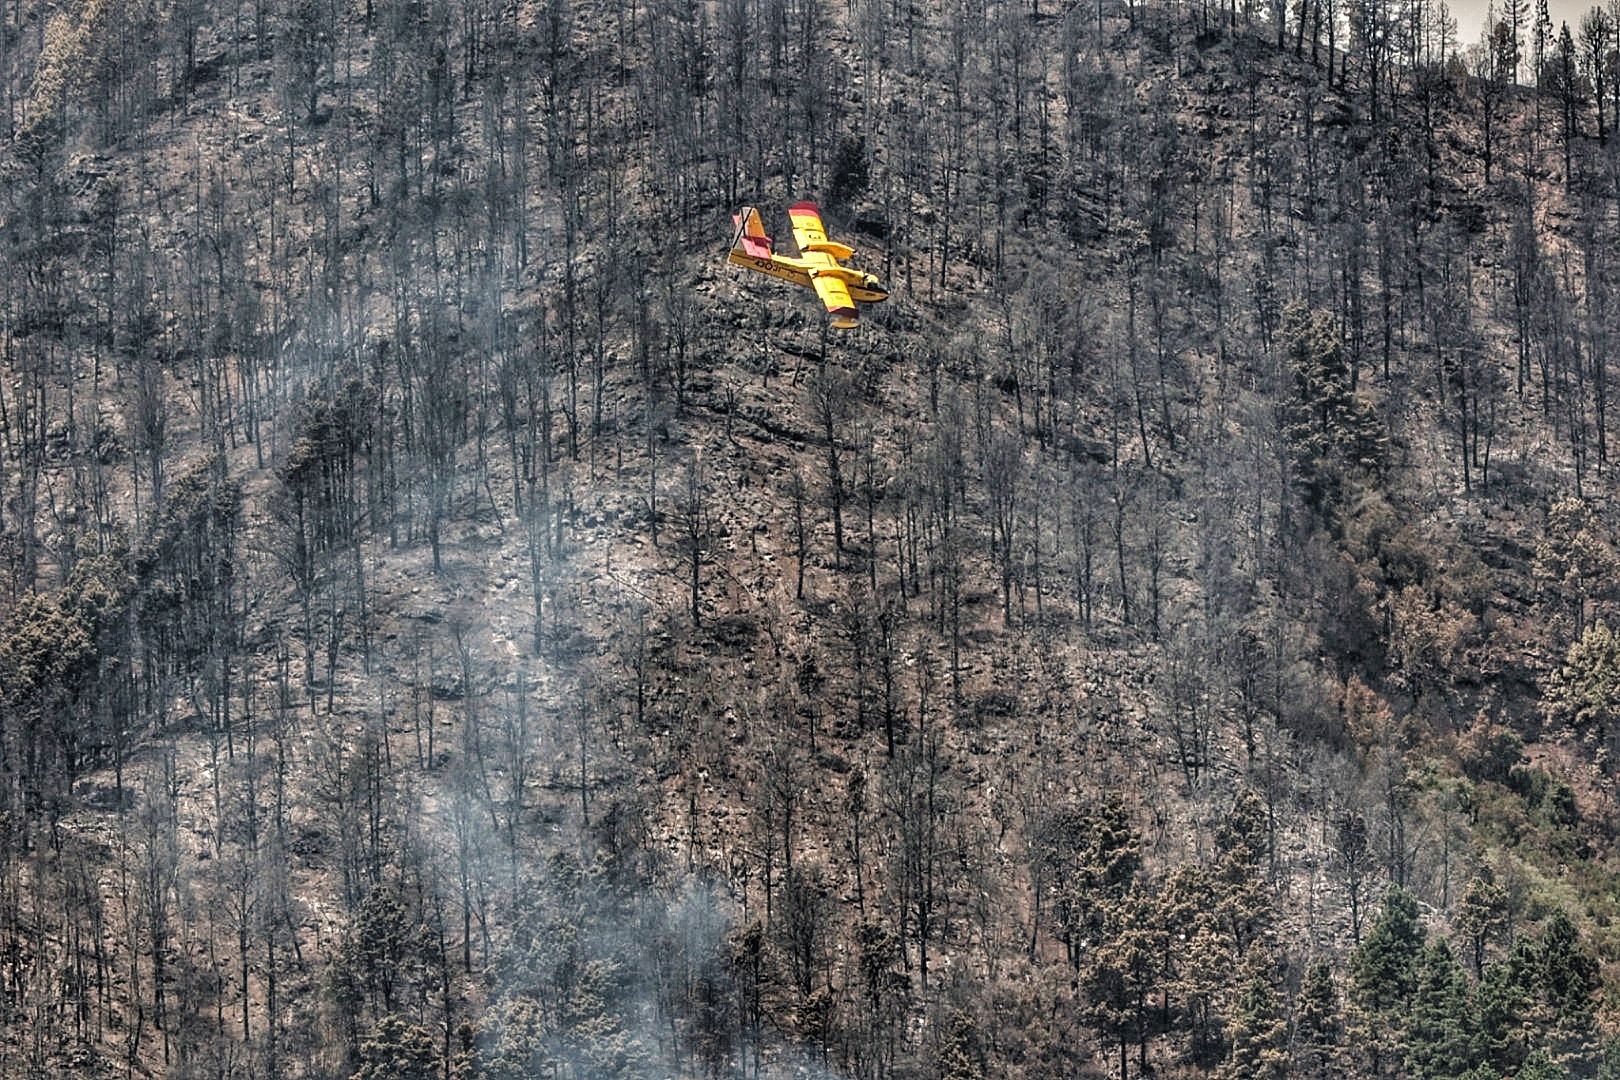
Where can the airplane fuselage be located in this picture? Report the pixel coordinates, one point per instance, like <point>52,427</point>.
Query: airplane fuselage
<point>862,286</point>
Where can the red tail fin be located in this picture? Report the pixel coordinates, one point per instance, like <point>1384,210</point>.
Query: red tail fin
<point>751,236</point>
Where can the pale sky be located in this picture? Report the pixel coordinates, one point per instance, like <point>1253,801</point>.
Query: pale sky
<point>1470,15</point>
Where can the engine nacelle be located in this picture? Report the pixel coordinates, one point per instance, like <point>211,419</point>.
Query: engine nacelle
<point>831,247</point>
<point>844,274</point>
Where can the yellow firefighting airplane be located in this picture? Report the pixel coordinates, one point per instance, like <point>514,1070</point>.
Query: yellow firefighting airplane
<point>816,267</point>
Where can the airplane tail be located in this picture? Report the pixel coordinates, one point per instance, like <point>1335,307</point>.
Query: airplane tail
<point>750,238</point>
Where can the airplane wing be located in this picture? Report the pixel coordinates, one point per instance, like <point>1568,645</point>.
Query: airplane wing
<point>816,249</point>
<point>835,295</point>
<point>811,236</point>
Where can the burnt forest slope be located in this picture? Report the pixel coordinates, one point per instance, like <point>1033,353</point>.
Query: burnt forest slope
<point>454,624</point>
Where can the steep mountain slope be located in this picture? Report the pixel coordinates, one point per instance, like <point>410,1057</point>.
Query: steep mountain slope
<point>455,624</point>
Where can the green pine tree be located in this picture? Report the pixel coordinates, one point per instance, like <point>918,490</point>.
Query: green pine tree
<point>958,1054</point>
<point>1124,973</point>
<point>1091,855</point>
<point>1259,1034</point>
<point>1318,1025</point>
<point>1242,894</point>
<point>1201,970</point>
<point>516,1046</point>
<point>1383,975</point>
<point>1585,692</point>
<point>1569,972</point>
<point>1383,969</point>
<point>1440,1033</point>
<point>398,1050</point>
<point>595,1033</point>
<point>1481,914</point>
<point>1503,1001</point>
<point>1569,982</point>
<point>1609,1068</point>
<point>1540,1066</point>
<point>1333,433</point>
